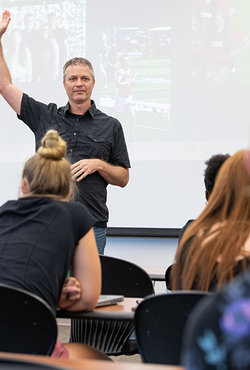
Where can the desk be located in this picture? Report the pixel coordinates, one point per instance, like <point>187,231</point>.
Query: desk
<point>108,329</point>
<point>121,311</point>
<point>84,364</point>
<point>157,273</point>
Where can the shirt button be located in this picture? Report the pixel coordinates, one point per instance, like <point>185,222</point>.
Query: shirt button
<point>74,133</point>
<point>77,119</point>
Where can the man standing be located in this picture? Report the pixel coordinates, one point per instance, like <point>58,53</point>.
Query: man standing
<point>96,144</point>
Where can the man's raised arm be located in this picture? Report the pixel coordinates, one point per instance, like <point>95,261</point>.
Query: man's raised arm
<point>12,94</point>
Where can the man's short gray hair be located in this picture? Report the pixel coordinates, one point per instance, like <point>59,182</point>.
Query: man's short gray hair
<point>74,62</point>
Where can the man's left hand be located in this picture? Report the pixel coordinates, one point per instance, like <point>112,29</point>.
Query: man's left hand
<point>83,168</point>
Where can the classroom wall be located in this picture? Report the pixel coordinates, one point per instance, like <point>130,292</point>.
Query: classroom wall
<point>143,251</point>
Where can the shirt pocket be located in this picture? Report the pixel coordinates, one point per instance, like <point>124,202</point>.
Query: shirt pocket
<point>99,147</point>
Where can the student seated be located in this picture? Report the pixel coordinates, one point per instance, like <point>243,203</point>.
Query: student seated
<point>217,334</point>
<point>216,247</point>
<point>43,233</point>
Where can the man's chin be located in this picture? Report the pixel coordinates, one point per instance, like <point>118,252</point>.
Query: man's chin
<point>80,100</point>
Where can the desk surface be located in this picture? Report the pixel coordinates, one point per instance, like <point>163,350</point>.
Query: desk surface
<point>122,310</point>
<point>85,364</point>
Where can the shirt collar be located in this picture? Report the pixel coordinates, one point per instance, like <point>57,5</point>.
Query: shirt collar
<point>91,110</point>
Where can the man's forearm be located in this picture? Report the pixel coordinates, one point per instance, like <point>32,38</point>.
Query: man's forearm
<point>5,77</point>
<point>12,94</point>
<point>114,175</point>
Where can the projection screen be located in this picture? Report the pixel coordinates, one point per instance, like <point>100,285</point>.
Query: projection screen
<point>189,63</point>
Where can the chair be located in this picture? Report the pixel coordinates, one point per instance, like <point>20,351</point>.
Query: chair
<point>159,325</point>
<point>124,277</point>
<point>203,342</point>
<point>113,336</point>
<point>168,278</point>
<point>27,323</point>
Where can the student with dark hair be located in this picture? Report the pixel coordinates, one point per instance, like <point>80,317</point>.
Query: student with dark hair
<point>216,247</point>
<point>213,165</point>
<point>47,234</point>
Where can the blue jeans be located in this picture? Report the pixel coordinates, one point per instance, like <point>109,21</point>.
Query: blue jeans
<point>100,237</point>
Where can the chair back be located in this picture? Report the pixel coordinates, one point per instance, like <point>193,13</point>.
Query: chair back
<point>203,341</point>
<point>27,322</point>
<point>168,278</point>
<point>124,277</point>
<point>160,322</point>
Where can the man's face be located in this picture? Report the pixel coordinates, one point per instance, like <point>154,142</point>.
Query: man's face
<point>78,84</point>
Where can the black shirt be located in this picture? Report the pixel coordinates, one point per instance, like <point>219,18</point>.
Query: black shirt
<point>38,237</point>
<point>93,135</point>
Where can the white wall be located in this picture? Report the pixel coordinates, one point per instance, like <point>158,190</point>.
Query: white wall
<point>143,251</point>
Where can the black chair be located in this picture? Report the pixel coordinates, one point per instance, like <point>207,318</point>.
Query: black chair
<point>113,336</point>
<point>27,322</point>
<point>160,322</point>
<point>203,327</point>
<point>124,277</point>
<point>168,278</point>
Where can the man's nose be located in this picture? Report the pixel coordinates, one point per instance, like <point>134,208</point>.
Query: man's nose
<point>79,82</point>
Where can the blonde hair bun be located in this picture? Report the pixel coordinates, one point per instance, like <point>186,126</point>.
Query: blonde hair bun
<point>52,146</point>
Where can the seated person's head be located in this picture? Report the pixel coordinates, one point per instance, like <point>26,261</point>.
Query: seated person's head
<point>47,173</point>
<point>213,166</point>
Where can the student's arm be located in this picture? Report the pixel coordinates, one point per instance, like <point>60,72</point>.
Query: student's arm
<point>12,94</point>
<point>87,271</point>
<point>71,292</point>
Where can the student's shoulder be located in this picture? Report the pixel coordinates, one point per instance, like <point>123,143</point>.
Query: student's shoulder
<point>77,208</point>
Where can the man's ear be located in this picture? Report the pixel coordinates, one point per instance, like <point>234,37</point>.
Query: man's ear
<point>25,186</point>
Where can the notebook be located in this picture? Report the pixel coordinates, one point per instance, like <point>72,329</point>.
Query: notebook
<point>107,300</point>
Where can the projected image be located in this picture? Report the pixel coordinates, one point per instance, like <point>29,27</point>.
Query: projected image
<point>135,70</point>
<point>220,40</point>
<point>41,37</point>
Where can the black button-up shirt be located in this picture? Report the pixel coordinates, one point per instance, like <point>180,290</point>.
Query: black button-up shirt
<point>93,135</point>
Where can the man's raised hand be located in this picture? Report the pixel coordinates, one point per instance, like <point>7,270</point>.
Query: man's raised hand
<point>5,20</point>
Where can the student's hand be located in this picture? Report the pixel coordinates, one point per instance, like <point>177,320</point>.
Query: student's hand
<point>71,292</point>
<point>4,22</point>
